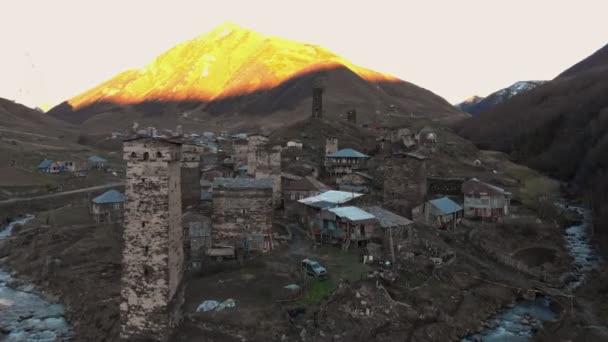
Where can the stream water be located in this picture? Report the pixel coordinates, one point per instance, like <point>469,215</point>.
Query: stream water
<point>25,315</point>
<point>520,322</point>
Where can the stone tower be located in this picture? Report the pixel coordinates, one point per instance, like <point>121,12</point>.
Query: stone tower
<point>265,162</point>
<point>153,256</point>
<point>404,182</point>
<point>317,102</point>
<point>331,145</point>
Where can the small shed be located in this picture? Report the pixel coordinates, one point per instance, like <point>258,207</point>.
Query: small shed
<point>350,224</point>
<point>442,212</point>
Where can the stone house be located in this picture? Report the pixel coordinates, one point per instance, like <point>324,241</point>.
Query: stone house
<point>485,201</point>
<point>356,181</point>
<point>303,188</point>
<point>442,213</point>
<point>344,162</point>
<point>404,182</point>
<point>242,213</point>
<point>152,290</point>
<point>108,207</point>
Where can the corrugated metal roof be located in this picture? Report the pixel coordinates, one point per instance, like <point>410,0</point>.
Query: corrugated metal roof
<point>97,159</point>
<point>332,196</point>
<point>446,205</point>
<point>254,183</point>
<point>45,164</point>
<point>387,218</point>
<point>352,213</point>
<point>111,196</point>
<point>347,153</point>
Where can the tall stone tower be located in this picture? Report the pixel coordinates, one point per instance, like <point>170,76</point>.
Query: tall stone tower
<point>404,182</point>
<point>153,256</point>
<point>317,102</point>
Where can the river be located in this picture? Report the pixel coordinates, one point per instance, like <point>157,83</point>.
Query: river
<point>521,321</point>
<point>24,314</point>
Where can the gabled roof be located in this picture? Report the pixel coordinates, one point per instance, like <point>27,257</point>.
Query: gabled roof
<point>332,196</point>
<point>307,184</point>
<point>347,153</point>
<point>111,196</point>
<point>474,185</point>
<point>387,218</point>
<point>241,183</point>
<point>446,205</point>
<point>45,164</point>
<point>352,213</point>
<point>97,159</point>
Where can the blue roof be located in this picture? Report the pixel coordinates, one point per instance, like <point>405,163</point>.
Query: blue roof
<point>446,205</point>
<point>348,153</point>
<point>97,159</point>
<point>111,196</point>
<point>45,164</point>
<point>352,213</point>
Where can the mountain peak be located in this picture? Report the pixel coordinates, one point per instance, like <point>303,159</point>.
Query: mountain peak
<point>228,61</point>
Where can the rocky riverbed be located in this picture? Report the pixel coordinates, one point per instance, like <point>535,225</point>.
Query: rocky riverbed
<point>521,321</point>
<point>24,314</point>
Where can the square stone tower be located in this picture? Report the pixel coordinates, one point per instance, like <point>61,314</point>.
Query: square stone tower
<point>404,182</point>
<point>153,256</point>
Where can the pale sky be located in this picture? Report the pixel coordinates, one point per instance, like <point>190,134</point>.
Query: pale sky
<point>53,50</point>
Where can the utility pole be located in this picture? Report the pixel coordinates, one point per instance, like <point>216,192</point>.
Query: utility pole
<point>390,239</point>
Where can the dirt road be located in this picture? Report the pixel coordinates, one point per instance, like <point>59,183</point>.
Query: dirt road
<point>63,193</point>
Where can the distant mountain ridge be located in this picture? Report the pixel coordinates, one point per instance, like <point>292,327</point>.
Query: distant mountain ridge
<point>596,62</point>
<point>560,128</point>
<point>477,104</point>
<point>233,71</point>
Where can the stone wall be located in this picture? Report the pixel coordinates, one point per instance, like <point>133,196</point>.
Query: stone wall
<point>153,241</point>
<point>238,212</point>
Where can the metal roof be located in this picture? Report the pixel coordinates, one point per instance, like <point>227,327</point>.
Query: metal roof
<point>111,196</point>
<point>332,196</point>
<point>352,213</point>
<point>347,153</point>
<point>45,164</point>
<point>446,205</point>
<point>387,218</point>
<point>97,159</point>
<point>236,183</point>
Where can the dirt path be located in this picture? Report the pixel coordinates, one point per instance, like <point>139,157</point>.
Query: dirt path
<point>59,194</point>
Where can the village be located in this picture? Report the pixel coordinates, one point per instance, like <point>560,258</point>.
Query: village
<point>201,209</point>
<point>208,229</point>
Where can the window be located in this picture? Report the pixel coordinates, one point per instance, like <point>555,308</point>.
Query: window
<point>146,155</point>
<point>243,211</point>
<point>159,155</point>
<point>247,226</point>
<point>143,224</point>
<point>146,249</point>
<point>133,155</point>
